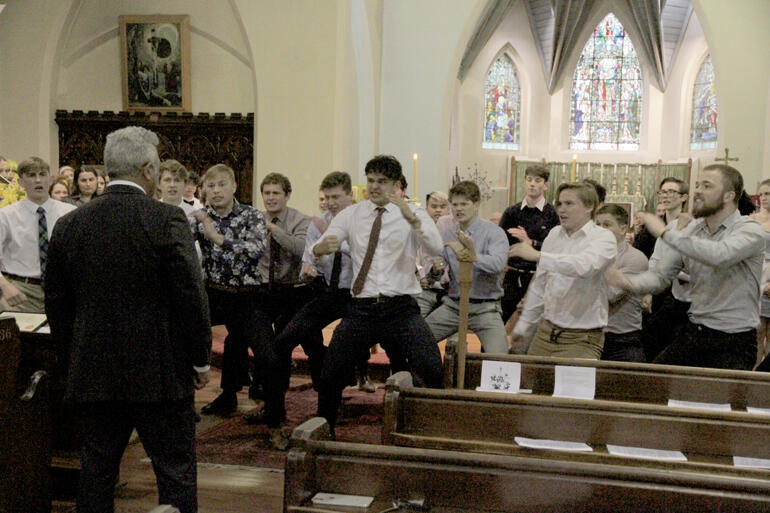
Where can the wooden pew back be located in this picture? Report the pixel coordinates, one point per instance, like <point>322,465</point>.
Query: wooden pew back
<point>25,438</point>
<point>632,382</point>
<point>488,422</point>
<point>455,481</point>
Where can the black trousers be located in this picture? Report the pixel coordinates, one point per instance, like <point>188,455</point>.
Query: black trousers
<point>396,324</point>
<point>515,285</point>
<point>167,432</point>
<point>700,346</point>
<point>247,327</point>
<point>664,326</point>
<point>277,305</point>
<point>324,308</point>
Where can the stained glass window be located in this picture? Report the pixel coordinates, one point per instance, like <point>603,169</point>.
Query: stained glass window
<point>502,104</point>
<point>703,130</point>
<point>606,101</point>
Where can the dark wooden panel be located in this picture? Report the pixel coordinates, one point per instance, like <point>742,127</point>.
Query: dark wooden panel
<point>198,141</point>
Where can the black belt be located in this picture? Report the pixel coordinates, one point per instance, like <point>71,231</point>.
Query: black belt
<point>378,299</point>
<point>475,301</point>
<point>24,279</point>
<point>232,290</point>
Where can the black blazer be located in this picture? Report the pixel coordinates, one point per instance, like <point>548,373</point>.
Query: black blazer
<point>123,290</point>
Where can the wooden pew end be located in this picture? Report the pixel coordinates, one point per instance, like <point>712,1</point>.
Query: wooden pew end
<point>399,381</point>
<point>313,429</point>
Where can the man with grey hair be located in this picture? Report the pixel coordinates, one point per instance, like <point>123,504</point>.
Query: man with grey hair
<point>136,324</point>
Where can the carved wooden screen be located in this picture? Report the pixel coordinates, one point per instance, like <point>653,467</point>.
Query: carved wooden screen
<point>198,141</point>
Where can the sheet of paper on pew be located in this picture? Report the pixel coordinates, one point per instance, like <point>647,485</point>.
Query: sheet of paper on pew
<point>648,454</point>
<point>28,322</point>
<point>574,382</point>
<point>556,445</point>
<point>694,404</point>
<point>758,411</point>
<point>338,499</point>
<point>742,461</point>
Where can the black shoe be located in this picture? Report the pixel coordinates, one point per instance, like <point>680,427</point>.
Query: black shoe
<point>256,392</point>
<point>224,405</point>
<point>262,417</point>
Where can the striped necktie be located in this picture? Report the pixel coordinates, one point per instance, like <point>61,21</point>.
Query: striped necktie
<point>42,238</point>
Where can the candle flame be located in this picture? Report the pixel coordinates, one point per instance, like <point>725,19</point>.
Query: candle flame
<point>574,157</point>
<point>414,156</point>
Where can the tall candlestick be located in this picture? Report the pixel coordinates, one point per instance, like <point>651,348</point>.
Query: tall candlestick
<point>574,168</point>
<point>414,157</point>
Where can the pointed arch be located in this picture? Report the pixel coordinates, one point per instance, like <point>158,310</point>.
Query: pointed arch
<point>606,96</point>
<point>704,114</point>
<point>502,104</point>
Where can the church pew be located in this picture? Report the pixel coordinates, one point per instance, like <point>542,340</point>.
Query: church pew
<point>453,481</point>
<point>488,422</point>
<point>25,449</point>
<point>624,381</point>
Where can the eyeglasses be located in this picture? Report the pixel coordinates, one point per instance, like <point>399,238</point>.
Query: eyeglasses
<point>668,192</point>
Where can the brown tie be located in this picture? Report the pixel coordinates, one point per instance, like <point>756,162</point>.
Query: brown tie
<point>374,237</point>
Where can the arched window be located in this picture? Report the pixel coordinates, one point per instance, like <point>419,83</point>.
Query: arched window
<point>606,102</point>
<point>501,106</point>
<point>703,129</point>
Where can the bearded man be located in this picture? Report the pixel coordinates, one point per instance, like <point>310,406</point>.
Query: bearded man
<point>723,252</point>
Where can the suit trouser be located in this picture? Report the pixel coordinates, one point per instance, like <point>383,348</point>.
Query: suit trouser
<point>701,346</point>
<point>397,325</point>
<point>326,307</point>
<point>515,285</point>
<point>167,432</point>
<point>247,328</point>
<point>277,306</point>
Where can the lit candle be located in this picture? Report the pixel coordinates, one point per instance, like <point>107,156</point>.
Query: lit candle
<point>574,168</point>
<point>414,157</point>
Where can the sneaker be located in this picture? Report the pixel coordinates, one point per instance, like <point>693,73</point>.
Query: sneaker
<point>224,405</point>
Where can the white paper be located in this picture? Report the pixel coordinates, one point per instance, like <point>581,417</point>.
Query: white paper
<point>338,499</point>
<point>575,382</point>
<point>44,329</point>
<point>558,445</point>
<point>758,411</point>
<point>27,321</point>
<point>742,461</point>
<point>694,404</point>
<point>648,454</point>
<point>500,377</point>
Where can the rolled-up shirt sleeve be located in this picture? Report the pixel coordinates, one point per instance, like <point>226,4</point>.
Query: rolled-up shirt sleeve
<point>595,259</point>
<point>427,234</point>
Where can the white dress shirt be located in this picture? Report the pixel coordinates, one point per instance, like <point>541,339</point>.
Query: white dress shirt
<point>569,288</point>
<point>392,272</point>
<point>19,251</point>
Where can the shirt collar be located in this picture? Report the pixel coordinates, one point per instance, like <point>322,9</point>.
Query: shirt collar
<point>584,229</point>
<point>726,223</point>
<point>125,182</point>
<point>233,211</point>
<point>32,207</point>
<point>540,205</point>
<point>281,216</point>
<point>388,207</point>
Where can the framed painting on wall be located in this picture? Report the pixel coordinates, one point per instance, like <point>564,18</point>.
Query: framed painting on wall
<point>155,62</point>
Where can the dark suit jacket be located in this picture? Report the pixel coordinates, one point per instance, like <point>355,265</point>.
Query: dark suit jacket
<point>123,289</point>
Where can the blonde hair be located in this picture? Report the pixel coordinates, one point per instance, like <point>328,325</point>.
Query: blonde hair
<point>218,170</point>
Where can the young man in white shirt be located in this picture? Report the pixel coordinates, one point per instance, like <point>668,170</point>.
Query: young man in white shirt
<point>171,184</point>
<point>383,233</point>
<point>567,300</point>
<point>25,228</point>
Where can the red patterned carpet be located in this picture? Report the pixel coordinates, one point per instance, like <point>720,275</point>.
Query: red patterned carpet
<point>234,442</point>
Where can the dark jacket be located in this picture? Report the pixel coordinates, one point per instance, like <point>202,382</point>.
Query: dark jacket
<point>123,290</point>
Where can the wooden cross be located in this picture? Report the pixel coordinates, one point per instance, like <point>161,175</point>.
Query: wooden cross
<point>727,159</point>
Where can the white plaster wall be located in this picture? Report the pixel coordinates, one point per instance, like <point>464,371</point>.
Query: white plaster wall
<point>737,35</point>
<point>423,43</point>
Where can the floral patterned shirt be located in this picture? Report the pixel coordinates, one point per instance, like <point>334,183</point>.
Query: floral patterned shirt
<point>234,263</point>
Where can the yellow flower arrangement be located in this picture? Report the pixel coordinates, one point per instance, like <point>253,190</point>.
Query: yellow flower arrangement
<point>12,192</point>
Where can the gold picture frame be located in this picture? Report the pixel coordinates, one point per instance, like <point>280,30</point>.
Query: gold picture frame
<point>155,62</point>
